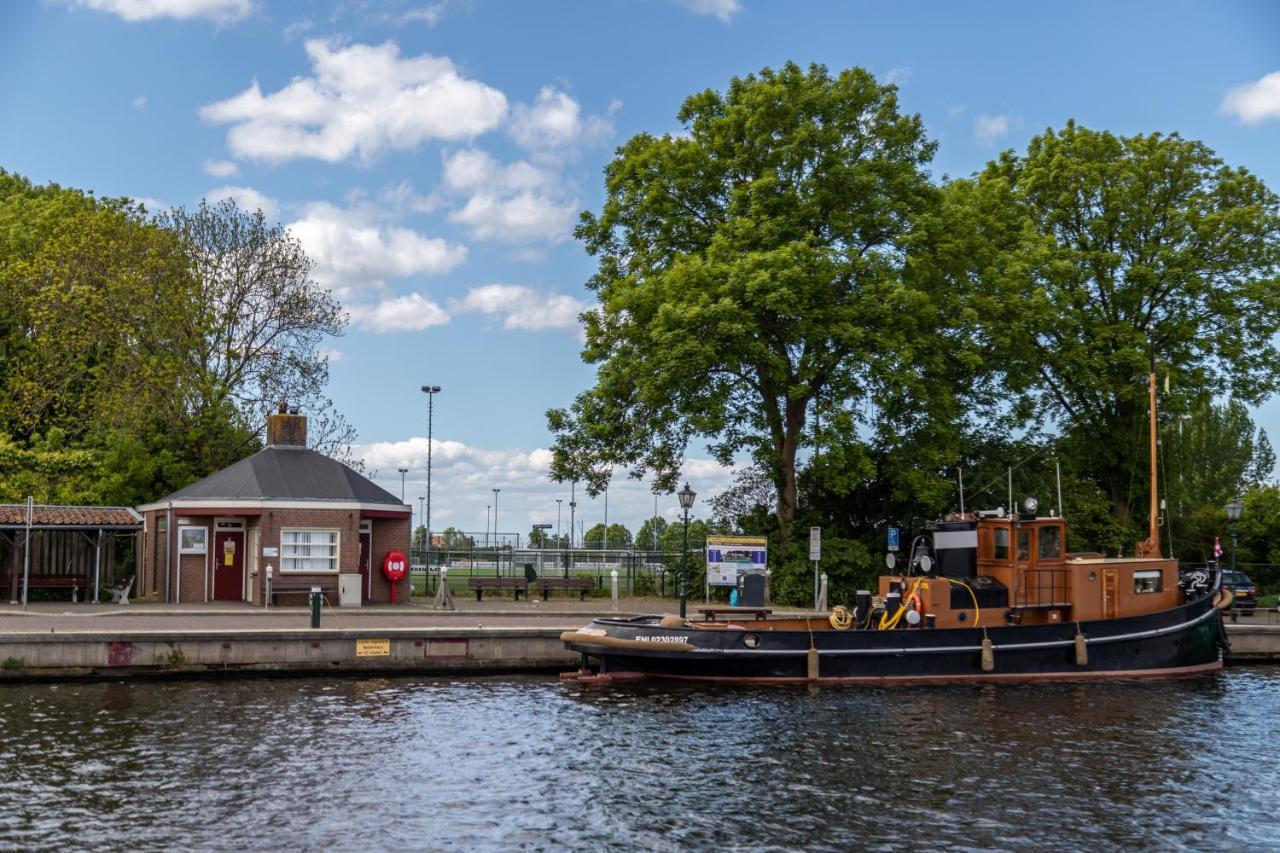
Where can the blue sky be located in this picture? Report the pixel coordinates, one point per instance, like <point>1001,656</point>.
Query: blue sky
<point>432,157</point>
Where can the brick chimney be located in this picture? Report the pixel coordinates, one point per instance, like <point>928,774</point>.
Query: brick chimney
<point>286,428</point>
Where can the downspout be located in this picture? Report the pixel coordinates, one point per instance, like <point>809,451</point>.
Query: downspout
<point>168,554</point>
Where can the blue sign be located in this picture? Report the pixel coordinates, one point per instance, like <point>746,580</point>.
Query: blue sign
<point>894,535</point>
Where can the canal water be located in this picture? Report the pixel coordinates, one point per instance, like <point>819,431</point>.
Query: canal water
<point>530,763</point>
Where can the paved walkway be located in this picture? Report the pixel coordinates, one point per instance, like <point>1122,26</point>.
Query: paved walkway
<point>562,613</point>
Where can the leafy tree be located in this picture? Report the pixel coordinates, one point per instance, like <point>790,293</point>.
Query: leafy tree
<point>651,532</point>
<point>1100,256</point>
<point>455,538</point>
<point>749,271</point>
<point>258,322</point>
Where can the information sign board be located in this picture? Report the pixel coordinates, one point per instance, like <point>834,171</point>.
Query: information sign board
<point>729,556</point>
<point>815,543</point>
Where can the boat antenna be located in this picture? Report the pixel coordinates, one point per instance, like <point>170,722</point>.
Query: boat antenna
<point>1057,464</point>
<point>960,476</point>
<point>1151,547</point>
<point>1011,506</point>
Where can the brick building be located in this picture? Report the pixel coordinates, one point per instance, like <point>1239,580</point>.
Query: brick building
<point>287,516</point>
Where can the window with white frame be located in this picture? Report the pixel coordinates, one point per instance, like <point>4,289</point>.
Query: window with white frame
<point>308,550</point>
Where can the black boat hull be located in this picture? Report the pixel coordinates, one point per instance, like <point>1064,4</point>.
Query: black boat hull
<point>1185,640</point>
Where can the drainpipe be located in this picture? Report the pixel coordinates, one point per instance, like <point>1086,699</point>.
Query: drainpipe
<point>168,554</point>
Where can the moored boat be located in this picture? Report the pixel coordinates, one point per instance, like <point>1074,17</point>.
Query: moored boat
<point>987,596</point>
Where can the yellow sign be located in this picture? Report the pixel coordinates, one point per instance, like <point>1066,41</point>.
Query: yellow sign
<point>373,648</point>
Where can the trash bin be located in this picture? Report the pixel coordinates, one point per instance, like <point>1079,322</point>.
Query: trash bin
<point>529,573</point>
<point>752,590</point>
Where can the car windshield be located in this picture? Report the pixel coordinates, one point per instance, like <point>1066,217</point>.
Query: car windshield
<point>1236,579</point>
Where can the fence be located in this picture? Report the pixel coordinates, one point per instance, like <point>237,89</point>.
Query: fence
<point>639,572</point>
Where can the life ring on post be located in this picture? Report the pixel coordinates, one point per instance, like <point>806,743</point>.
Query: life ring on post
<point>918,603</point>
<point>394,568</point>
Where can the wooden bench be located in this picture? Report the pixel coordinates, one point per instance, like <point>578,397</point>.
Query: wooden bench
<point>582,585</point>
<point>709,613</point>
<point>295,584</point>
<point>45,580</point>
<point>516,585</point>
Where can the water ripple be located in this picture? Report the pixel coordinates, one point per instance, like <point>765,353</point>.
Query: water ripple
<point>533,764</point>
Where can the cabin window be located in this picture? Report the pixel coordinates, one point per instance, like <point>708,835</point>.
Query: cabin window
<point>1024,544</point>
<point>1148,581</point>
<point>1050,543</point>
<point>308,550</point>
<point>1000,543</point>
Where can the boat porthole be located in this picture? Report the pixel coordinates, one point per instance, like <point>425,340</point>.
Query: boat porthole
<point>751,641</point>
<point>1093,576</point>
<point>962,616</point>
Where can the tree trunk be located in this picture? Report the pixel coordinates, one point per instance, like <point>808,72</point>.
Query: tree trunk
<point>786,478</point>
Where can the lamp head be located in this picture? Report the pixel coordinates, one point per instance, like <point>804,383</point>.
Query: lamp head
<point>686,496</point>
<point>1235,509</point>
<point>430,389</point>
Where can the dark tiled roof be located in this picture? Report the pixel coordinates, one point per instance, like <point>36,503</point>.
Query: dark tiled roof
<point>69,516</point>
<point>286,473</point>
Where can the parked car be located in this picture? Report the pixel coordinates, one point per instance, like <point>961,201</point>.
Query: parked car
<point>1244,590</point>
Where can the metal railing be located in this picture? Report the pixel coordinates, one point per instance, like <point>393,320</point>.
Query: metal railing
<point>1043,588</point>
<point>639,572</point>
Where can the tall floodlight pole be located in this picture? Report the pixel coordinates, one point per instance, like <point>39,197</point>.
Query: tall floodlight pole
<point>487,507</point>
<point>558,500</point>
<point>496,541</point>
<point>573,509</point>
<point>606,517</point>
<point>686,496</point>
<point>431,391</point>
<point>402,471</point>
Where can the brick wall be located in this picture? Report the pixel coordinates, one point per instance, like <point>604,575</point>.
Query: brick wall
<point>389,534</point>
<point>346,522</point>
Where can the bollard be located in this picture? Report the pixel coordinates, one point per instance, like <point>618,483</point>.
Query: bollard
<point>822,594</point>
<point>315,606</point>
<point>613,582</point>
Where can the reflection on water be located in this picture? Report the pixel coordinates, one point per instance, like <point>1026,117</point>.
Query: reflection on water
<point>532,763</point>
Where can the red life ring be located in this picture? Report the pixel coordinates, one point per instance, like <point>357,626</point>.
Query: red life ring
<point>394,567</point>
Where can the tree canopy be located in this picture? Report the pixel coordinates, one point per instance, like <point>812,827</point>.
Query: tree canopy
<point>749,270</point>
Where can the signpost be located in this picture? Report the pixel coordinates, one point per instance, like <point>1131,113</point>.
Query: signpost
<point>729,556</point>
<point>815,554</point>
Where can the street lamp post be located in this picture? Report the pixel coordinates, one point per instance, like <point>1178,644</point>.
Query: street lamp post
<point>686,496</point>
<point>497,543</point>
<point>402,471</point>
<point>1235,509</point>
<point>421,522</point>
<point>431,391</point>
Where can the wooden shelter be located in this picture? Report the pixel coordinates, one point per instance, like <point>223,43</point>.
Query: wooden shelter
<point>70,547</point>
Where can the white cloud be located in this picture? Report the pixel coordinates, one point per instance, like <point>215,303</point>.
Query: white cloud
<point>555,120</point>
<point>515,203</point>
<point>140,102</point>
<point>522,307</point>
<point>333,355</point>
<point>220,168</point>
<point>988,129</point>
<point>247,199</point>
<point>220,11</point>
<point>351,251</point>
<point>956,110</point>
<point>411,313</point>
<point>722,9</point>
<point>897,75</point>
<point>1254,103</point>
<point>153,205</point>
<point>362,100</point>
<point>463,478</point>
<point>404,197</point>
<point>431,14</point>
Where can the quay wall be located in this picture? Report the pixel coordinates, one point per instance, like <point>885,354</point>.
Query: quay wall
<point>1253,643</point>
<point>157,654</point>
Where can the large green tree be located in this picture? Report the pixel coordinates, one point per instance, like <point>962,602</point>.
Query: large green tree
<point>750,271</point>
<point>1097,257</point>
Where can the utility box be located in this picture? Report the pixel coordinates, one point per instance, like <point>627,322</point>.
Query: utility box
<point>753,586</point>
<point>349,590</point>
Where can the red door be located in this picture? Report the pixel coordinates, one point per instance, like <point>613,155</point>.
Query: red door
<point>228,565</point>
<point>366,551</point>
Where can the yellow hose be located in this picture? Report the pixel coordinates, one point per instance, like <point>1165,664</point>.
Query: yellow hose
<point>887,623</point>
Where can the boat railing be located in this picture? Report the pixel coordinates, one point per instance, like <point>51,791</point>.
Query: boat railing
<point>1044,588</point>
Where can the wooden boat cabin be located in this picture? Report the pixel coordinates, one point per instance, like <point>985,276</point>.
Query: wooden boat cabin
<point>1013,569</point>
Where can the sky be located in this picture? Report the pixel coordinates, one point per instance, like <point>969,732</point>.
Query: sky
<point>432,157</point>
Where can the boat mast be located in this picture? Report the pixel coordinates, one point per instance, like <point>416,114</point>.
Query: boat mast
<point>1151,547</point>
